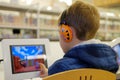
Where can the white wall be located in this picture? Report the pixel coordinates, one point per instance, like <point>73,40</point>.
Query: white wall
<point>56,52</point>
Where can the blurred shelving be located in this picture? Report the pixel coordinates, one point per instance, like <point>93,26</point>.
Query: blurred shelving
<point>40,22</point>
<point>109,26</point>
<point>18,27</point>
<point>107,3</point>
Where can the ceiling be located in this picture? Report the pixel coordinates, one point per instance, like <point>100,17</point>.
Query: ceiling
<point>103,5</point>
<point>60,5</point>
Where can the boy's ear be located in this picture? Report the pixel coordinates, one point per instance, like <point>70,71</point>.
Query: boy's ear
<point>66,32</point>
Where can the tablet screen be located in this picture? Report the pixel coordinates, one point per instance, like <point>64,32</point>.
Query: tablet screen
<point>26,58</point>
<point>117,50</point>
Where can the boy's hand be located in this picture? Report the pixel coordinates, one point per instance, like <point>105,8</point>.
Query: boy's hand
<point>43,71</point>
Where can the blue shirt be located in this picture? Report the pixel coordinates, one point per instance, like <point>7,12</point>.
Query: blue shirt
<point>98,56</point>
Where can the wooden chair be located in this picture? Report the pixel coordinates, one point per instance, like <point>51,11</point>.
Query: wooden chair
<point>83,74</point>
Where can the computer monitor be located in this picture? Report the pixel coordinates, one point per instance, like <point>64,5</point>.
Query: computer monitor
<point>22,57</point>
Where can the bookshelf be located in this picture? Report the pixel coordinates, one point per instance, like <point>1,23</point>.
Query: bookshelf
<point>49,27</point>
<point>16,17</point>
<point>106,3</point>
<point>109,27</point>
<point>43,24</point>
<point>26,18</point>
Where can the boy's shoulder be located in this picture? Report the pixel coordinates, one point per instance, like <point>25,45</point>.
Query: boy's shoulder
<point>58,66</point>
<point>64,61</point>
<point>64,64</point>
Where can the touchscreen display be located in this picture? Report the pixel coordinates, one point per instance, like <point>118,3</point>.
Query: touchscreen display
<point>117,49</point>
<point>26,58</point>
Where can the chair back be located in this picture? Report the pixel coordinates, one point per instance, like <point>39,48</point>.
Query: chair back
<point>83,74</point>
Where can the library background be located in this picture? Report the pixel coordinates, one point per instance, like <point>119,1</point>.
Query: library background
<point>38,18</point>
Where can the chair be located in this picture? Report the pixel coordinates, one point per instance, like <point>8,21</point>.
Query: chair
<point>83,74</point>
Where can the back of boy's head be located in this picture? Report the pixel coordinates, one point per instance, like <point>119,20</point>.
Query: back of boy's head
<point>83,17</point>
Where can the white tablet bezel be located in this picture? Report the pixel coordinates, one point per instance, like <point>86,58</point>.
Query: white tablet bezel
<point>7,57</point>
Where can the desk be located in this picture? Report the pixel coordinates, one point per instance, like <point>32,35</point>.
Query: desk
<point>1,71</point>
<point>1,75</point>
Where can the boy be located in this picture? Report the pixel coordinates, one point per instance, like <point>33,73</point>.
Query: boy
<point>78,25</point>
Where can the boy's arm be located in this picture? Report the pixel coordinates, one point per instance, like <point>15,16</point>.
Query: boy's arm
<point>43,71</point>
<point>57,67</point>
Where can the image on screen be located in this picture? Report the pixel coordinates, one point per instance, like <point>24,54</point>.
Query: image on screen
<point>117,50</point>
<point>26,58</point>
